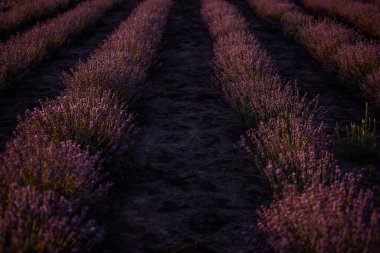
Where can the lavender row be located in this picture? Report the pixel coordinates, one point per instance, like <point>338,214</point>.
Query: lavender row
<point>53,167</point>
<point>23,51</point>
<point>291,148</point>
<point>339,48</point>
<point>365,16</point>
<point>8,4</point>
<point>29,12</point>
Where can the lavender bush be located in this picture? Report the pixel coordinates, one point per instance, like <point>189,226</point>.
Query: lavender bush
<point>371,87</point>
<point>273,8</point>
<point>34,221</point>
<point>356,61</point>
<point>27,49</point>
<point>29,12</point>
<point>324,38</point>
<point>94,119</point>
<point>328,219</point>
<point>123,60</point>
<point>365,16</point>
<point>293,152</point>
<point>244,59</point>
<point>220,24</point>
<point>51,165</point>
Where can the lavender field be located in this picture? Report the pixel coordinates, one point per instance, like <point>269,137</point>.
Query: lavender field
<point>190,126</point>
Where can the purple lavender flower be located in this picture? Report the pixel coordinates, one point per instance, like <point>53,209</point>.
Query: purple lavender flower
<point>53,165</point>
<point>336,218</point>
<point>94,119</point>
<point>34,221</point>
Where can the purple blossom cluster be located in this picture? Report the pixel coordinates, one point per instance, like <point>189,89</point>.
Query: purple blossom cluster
<point>314,209</point>
<point>41,221</point>
<point>336,218</point>
<point>29,12</point>
<point>52,168</point>
<point>6,5</point>
<point>26,49</point>
<point>94,119</point>
<point>357,61</point>
<point>293,152</point>
<point>365,16</point>
<point>324,38</point>
<point>273,8</point>
<point>338,47</point>
<point>61,166</point>
<point>371,87</point>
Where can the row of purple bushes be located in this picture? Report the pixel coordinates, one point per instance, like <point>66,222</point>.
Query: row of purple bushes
<point>25,50</point>
<point>315,207</point>
<point>54,167</point>
<point>8,4</point>
<point>365,16</point>
<point>340,49</point>
<point>29,12</point>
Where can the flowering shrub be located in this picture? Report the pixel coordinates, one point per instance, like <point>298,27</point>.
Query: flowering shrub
<point>324,38</point>
<point>24,50</point>
<point>220,24</point>
<point>356,61</point>
<point>29,12</point>
<point>51,165</point>
<point>371,87</point>
<point>94,119</point>
<point>365,16</point>
<point>34,221</point>
<point>336,218</point>
<point>239,58</point>
<point>273,8</point>
<point>293,152</point>
<point>122,62</point>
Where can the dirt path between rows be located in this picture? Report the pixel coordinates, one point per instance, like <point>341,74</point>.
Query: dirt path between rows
<point>45,81</point>
<point>190,187</point>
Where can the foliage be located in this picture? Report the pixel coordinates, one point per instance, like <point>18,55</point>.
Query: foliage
<point>359,142</point>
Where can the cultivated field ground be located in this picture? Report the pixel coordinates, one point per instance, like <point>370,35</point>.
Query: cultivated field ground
<point>178,126</point>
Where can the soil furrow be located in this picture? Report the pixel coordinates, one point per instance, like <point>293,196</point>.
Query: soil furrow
<point>190,188</point>
<point>45,81</point>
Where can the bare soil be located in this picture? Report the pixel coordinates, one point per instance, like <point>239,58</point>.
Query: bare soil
<point>190,187</point>
<point>44,81</point>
